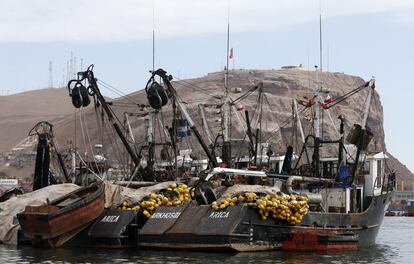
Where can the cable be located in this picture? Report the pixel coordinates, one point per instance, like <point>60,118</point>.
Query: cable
<point>195,87</point>
<point>120,93</point>
<point>83,134</point>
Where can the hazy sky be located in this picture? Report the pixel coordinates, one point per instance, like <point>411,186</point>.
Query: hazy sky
<point>364,37</point>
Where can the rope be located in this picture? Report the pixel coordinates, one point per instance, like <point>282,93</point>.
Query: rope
<point>90,143</point>
<point>284,123</point>
<point>86,166</point>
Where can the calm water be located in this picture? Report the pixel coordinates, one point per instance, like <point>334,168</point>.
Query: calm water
<point>395,244</point>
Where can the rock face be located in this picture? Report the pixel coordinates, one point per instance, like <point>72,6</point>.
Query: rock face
<point>279,87</point>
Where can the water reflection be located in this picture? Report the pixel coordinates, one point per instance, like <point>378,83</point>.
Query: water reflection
<point>374,254</point>
<point>394,246</point>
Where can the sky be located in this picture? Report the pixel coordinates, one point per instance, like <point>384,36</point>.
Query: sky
<point>360,37</point>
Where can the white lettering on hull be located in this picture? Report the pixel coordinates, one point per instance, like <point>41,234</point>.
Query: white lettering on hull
<point>110,219</point>
<point>172,215</point>
<point>220,215</point>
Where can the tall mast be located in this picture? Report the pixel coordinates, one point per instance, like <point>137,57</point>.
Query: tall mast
<point>317,101</point>
<point>226,151</point>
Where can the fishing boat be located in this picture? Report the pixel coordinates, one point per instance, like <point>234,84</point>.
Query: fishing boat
<point>410,208</point>
<point>345,204</point>
<point>10,193</point>
<point>343,198</point>
<point>58,221</point>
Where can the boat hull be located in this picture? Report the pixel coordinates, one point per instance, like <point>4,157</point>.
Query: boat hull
<point>47,225</point>
<point>240,228</point>
<point>410,213</point>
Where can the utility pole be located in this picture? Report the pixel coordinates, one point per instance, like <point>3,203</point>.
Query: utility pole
<point>50,74</point>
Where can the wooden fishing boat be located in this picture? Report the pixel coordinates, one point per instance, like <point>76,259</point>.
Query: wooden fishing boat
<point>58,221</point>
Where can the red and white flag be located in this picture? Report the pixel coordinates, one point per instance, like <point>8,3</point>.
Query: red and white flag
<point>328,99</point>
<point>231,53</point>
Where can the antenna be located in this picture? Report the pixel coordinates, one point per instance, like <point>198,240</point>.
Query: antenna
<point>50,75</point>
<point>68,77</point>
<point>153,35</point>
<point>320,35</point>
<point>74,66</point>
<point>63,77</point>
<point>327,57</point>
<point>71,71</point>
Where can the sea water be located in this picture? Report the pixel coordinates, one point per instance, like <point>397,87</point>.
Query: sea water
<point>395,244</point>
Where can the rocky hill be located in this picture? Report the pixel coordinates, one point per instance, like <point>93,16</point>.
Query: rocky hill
<point>279,87</point>
<point>85,129</point>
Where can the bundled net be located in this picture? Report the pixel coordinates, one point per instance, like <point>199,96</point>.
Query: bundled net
<point>175,195</point>
<point>291,208</point>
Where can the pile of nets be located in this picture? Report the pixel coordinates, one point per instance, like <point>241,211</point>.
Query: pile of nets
<point>291,208</point>
<point>175,195</point>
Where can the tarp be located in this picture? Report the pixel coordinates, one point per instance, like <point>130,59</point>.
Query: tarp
<point>240,188</point>
<point>115,194</point>
<point>10,208</point>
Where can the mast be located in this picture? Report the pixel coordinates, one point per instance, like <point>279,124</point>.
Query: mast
<point>178,103</point>
<point>363,133</point>
<point>226,151</point>
<point>128,126</point>
<point>259,146</point>
<point>341,152</point>
<point>299,122</point>
<point>317,122</point>
<point>250,134</point>
<point>316,144</point>
<point>205,124</point>
<point>149,121</point>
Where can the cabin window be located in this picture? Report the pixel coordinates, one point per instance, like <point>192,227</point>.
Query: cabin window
<point>379,173</point>
<point>367,167</point>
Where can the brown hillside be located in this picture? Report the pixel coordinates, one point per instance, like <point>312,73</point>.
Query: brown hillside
<point>20,112</point>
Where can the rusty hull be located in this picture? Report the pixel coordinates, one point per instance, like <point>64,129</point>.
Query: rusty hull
<point>239,228</point>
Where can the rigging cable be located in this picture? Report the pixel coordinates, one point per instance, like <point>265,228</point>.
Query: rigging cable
<point>83,134</point>
<point>195,87</point>
<point>119,92</point>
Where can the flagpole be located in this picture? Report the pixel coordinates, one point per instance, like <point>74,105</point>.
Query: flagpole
<point>320,35</point>
<point>226,86</point>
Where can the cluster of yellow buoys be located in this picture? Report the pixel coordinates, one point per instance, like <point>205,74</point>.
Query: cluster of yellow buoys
<point>174,195</point>
<point>291,208</point>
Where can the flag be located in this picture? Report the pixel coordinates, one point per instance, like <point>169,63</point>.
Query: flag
<point>231,53</point>
<point>328,99</point>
